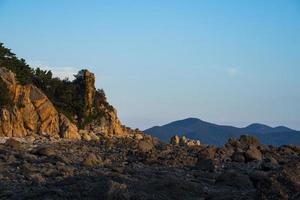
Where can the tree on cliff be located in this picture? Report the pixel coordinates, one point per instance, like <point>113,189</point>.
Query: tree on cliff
<point>18,66</point>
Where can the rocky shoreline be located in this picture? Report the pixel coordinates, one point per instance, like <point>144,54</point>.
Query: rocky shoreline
<point>63,140</point>
<point>142,167</point>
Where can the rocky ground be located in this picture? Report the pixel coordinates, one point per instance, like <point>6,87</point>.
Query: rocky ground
<point>141,167</point>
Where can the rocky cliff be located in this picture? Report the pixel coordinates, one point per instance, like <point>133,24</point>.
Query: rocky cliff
<point>38,103</point>
<point>99,115</point>
<point>31,112</point>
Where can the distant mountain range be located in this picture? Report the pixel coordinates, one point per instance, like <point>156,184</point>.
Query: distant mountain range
<point>210,133</point>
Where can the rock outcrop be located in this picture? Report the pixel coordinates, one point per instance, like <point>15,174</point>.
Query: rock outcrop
<point>183,141</point>
<point>31,112</point>
<point>89,90</point>
<point>104,116</point>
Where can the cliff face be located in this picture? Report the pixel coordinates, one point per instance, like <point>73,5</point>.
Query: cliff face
<point>31,112</point>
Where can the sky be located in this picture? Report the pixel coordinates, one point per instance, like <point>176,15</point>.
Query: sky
<point>232,62</point>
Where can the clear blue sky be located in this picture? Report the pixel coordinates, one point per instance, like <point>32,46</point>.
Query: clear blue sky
<point>229,62</point>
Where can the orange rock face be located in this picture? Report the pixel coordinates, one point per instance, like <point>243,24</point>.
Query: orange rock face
<point>32,112</point>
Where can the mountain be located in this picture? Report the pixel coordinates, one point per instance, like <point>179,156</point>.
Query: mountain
<point>261,128</point>
<point>210,133</point>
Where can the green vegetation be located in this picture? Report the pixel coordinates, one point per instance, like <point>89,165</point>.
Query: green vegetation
<point>5,100</point>
<point>65,95</point>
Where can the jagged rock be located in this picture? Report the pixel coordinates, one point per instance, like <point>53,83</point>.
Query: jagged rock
<point>31,113</point>
<point>183,141</point>
<point>208,152</point>
<point>109,124</point>
<point>89,90</point>
<point>175,140</point>
<point>68,130</point>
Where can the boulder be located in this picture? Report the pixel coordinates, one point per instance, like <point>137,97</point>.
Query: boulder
<point>145,146</point>
<point>92,161</point>
<point>269,163</point>
<point>253,154</point>
<point>45,151</point>
<point>247,140</point>
<point>175,140</point>
<point>206,165</point>
<point>183,141</point>
<point>93,136</point>
<point>243,143</point>
<point>209,152</point>
<point>234,179</point>
<point>14,144</point>
<point>68,130</point>
<point>238,157</point>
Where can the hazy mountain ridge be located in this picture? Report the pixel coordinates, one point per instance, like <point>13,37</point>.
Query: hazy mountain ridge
<point>219,134</point>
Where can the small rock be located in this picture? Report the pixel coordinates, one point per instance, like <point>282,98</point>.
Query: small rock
<point>138,136</point>
<point>184,141</point>
<point>86,137</point>
<point>117,191</point>
<point>145,146</point>
<point>37,178</point>
<point>92,160</point>
<point>253,154</point>
<point>234,179</point>
<point>175,140</point>
<point>269,164</point>
<point>94,136</point>
<point>45,151</point>
<point>206,165</point>
<point>14,144</point>
<point>10,158</point>
<point>30,139</point>
<point>248,140</point>
<point>238,157</point>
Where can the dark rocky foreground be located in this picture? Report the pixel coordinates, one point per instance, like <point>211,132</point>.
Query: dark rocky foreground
<point>144,168</point>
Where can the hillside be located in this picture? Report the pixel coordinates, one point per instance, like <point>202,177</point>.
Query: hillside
<point>210,133</point>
